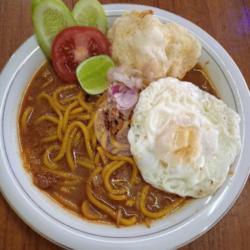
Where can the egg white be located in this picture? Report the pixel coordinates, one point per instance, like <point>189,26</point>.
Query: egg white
<point>183,139</point>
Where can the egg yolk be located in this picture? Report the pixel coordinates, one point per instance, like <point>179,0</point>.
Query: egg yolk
<point>181,143</point>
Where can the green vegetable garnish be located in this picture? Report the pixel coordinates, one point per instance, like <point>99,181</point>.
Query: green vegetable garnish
<point>92,74</point>
<point>49,18</point>
<point>90,13</point>
<point>35,3</point>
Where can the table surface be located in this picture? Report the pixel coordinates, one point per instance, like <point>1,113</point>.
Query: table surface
<point>228,21</point>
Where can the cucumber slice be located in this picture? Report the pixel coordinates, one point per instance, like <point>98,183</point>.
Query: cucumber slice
<point>34,3</point>
<point>92,74</point>
<point>90,13</point>
<point>49,18</point>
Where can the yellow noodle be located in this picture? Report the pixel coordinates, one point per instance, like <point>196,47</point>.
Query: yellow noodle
<point>46,158</point>
<point>121,158</point>
<point>56,94</point>
<point>116,151</point>
<point>92,121</point>
<point>71,182</point>
<point>26,117</point>
<point>97,160</point>
<point>91,132</point>
<point>87,139</point>
<point>69,158</point>
<point>118,217</point>
<point>105,208</point>
<point>80,117</point>
<point>117,197</point>
<point>138,179</point>
<point>50,138</point>
<point>101,100</point>
<point>109,169</point>
<point>89,213</point>
<point>130,203</point>
<point>59,128</point>
<point>66,115</point>
<point>67,189</point>
<point>119,191</point>
<point>77,138</point>
<point>86,163</point>
<point>77,111</point>
<point>86,106</point>
<point>124,127</point>
<point>47,97</point>
<point>91,197</point>
<point>137,201</point>
<point>63,174</point>
<point>106,167</point>
<point>49,118</point>
<point>68,100</point>
<point>66,139</point>
<point>116,157</point>
<point>124,190</point>
<point>47,83</point>
<point>147,222</point>
<point>119,145</point>
<point>104,139</point>
<point>101,153</point>
<point>58,105</point>
<point>65,202</point>
<point>93,140</point>
<point>134,174</point>
<point>163,212</point>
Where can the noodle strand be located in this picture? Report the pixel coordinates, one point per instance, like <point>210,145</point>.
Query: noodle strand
<point>124,221</point>
<point>163,212</point>
<point>26,117</point>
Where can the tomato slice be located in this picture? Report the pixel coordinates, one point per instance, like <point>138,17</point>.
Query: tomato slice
<point>75,44</point>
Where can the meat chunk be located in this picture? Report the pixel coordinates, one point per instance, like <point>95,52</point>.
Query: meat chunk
<point>45,180</point>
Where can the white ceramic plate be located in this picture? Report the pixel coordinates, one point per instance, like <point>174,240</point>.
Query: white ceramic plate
<point>70,231</point>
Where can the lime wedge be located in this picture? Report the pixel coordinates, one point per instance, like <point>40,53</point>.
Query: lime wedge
<point>92,74</point>
<point>90,13</point>
<point>49,18</point>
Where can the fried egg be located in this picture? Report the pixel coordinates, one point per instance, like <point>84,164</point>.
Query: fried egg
<point>140,41</point>
<point>183,139</point>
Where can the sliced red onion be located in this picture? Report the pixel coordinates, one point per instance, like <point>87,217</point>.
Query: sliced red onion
<point>117,88</point>
<point>132,78</point>
<point>125,85</point>
<point>126,100</point>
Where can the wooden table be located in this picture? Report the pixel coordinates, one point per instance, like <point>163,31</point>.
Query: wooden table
<point>228,21</point>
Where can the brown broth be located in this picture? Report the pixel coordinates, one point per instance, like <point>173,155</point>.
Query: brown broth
<point>199,77</point>
<point>32,149</point>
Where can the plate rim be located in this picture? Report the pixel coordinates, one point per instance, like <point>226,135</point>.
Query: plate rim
<point>114,7</point>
